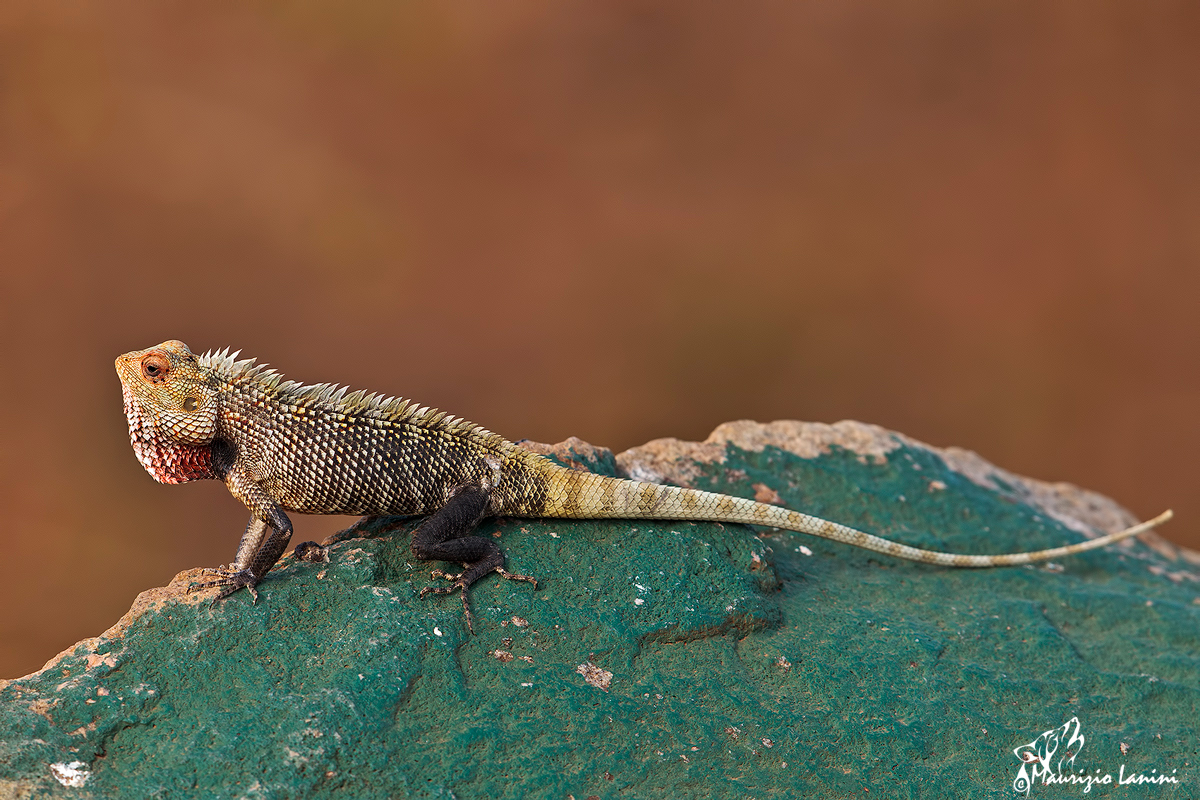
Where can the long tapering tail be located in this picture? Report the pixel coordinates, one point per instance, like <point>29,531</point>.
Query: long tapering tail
<point>583,495</point>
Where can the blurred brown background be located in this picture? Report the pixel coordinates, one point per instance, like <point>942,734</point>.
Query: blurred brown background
<point>976,223</point>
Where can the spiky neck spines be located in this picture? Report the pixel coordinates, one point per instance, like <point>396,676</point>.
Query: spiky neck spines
<point>283,393</point>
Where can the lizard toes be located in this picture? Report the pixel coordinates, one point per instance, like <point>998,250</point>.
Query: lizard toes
<point>441,589</point>
<point>230,582</point>
<point>513,576</point>
<point>459,585</point>
<point>228,590</point>
<point>222,575</point>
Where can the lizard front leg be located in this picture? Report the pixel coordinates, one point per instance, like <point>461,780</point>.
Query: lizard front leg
<point>258,551</point>
<point>445,536</point>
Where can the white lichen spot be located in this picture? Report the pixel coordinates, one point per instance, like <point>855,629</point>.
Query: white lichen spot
<point>637,601</point>
<point>527,685</point>
<point>600,678</point>
<point>503,656</point>
<point>804,550</point>
<point>937,486</point>
<point>527,659</point>
<point>553,535</point>
<point>72,775</point>
<point>109,660</point>
<point>767,742</point>
<point>437,631</point>
<point>520,622</point>
<point>783,663</point>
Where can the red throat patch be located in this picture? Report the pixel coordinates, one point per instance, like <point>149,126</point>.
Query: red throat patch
<point>167,462</point>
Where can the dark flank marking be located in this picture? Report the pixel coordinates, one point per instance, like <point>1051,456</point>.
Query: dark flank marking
<point>224,454</point>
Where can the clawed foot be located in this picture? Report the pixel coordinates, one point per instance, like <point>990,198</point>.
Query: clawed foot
<point>460,584</point>
<point>231,579</point>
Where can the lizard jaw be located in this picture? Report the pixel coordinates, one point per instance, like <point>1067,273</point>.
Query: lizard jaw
<point>167,462</point>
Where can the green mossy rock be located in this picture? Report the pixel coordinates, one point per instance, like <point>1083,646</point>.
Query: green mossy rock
<point>657,659</point>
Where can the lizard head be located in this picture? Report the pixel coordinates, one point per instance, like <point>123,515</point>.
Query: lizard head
<point>171,407</point>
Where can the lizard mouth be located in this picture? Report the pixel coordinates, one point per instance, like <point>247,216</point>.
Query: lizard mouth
<point>125,369</point>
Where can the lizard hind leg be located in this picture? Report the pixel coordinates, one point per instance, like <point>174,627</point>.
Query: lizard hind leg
<point>445,536</point>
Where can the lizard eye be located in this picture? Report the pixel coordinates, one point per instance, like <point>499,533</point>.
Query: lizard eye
<point>155,368</point>
<point>190,404</point>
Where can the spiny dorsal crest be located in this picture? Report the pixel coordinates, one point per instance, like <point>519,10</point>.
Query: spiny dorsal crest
<point>227,367</point>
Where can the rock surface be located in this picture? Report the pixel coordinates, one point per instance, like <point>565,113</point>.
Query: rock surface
<point>658,659</point>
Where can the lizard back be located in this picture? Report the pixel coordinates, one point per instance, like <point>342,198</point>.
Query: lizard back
<point>318,449</point>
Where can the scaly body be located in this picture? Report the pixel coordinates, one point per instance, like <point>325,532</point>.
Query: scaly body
<point>280,446</point>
